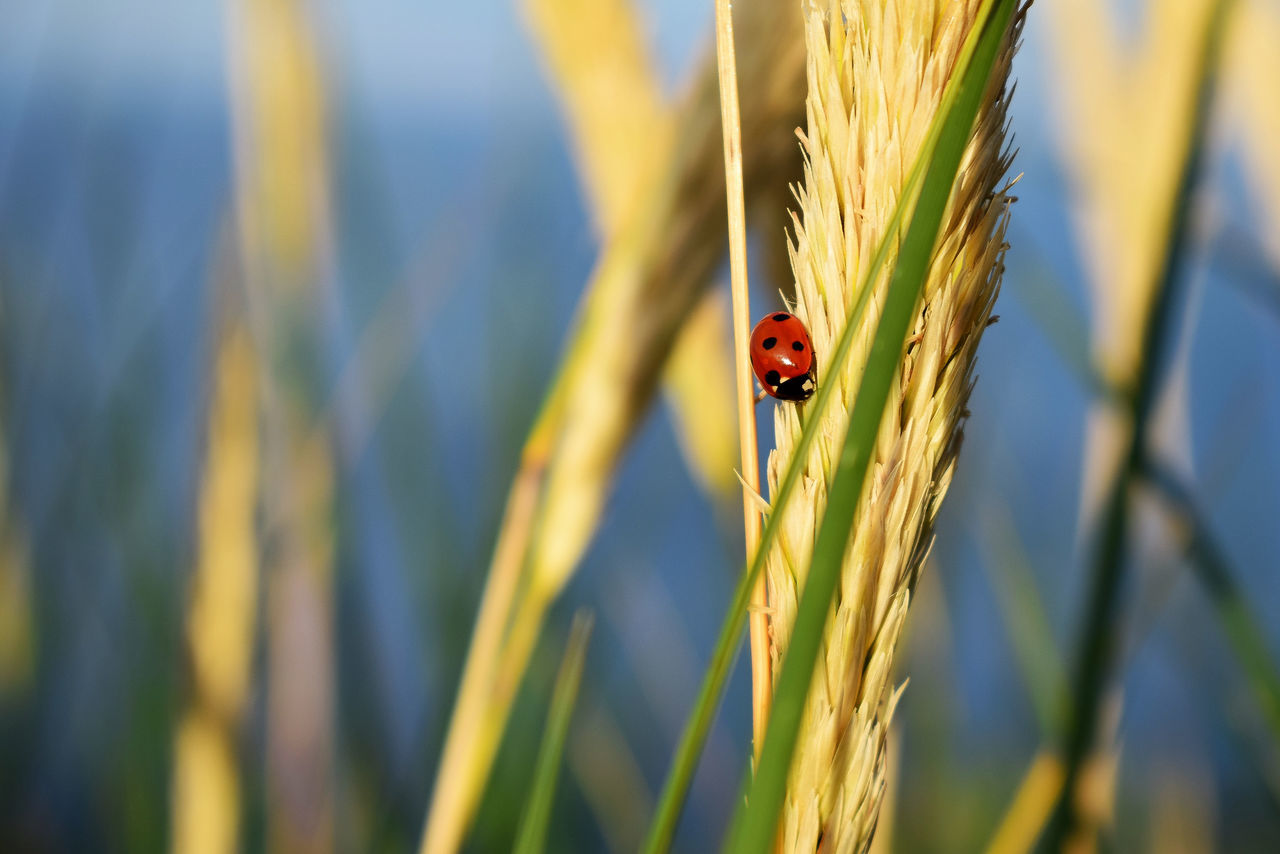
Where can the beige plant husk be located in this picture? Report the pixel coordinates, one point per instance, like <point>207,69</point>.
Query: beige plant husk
<point>877,71</point>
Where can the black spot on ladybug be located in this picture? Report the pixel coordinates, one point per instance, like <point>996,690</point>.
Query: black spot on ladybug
<point>768,343</point>
<point>797,388</point>
<point>781,317</point>
<point>797,346</point>
<point>773,378</point>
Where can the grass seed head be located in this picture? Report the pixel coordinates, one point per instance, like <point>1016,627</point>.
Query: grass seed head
<point>876,73</point>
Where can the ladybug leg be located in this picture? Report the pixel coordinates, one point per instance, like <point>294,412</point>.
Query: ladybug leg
<point>760,395</point>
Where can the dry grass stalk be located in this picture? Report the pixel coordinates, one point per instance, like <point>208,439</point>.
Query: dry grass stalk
<point>877,71</point>
<point>649,278</point>
<point>283,217</point>
<point>730,122</point>
<point>220,623</point>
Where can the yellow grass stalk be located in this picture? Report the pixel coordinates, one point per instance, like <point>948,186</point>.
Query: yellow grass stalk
<point>648,279</point>
<point>1252,67</point>
<point>877,70</point>
<point>1031,806</point>
<point>222,613</point>
<point>730,122</point>
<point>283,218</point>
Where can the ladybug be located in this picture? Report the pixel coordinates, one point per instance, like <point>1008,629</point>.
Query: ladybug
<point>782,357</point>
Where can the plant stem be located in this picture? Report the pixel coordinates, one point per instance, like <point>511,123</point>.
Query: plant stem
<point>761,687</point>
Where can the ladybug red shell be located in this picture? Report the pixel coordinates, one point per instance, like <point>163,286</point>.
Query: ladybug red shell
<point>782,357</point>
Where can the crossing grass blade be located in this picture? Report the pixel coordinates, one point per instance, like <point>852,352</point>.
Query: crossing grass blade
<point>531,838</point>
<point>754,825</point>
<point>962,95</point>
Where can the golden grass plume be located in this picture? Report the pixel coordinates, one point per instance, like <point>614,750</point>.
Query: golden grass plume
<point>876,72</point>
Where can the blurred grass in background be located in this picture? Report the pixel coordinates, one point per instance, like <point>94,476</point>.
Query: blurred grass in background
<point>347,241</point>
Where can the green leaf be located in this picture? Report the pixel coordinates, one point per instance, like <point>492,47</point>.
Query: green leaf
<point>531,838</point>
<point>754,827</point>
<point>676,787</point>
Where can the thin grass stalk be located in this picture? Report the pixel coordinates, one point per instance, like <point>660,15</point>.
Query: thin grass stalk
<point>206,798</point>
<point>531,837</point>
<point>655,270</point>
<point>867,63</point>
<point>758,622</point>
<point>1099,636</point>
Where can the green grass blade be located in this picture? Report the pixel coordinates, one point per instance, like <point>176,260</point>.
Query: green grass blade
<point>671,802</point>
<point>753,829</point>
<point>531,838</point>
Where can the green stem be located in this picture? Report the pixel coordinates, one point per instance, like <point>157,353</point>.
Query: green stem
<point>531,838</point>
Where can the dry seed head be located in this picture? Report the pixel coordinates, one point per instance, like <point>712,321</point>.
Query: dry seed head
<point>877,71</point>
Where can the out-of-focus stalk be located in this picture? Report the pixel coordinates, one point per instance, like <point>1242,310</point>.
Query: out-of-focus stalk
<point>622,133</point>
<point>17,642</point>
<point>222,613</point>
<point>282,212</point>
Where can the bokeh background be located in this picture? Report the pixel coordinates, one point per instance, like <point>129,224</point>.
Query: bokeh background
<point>442,273</point>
